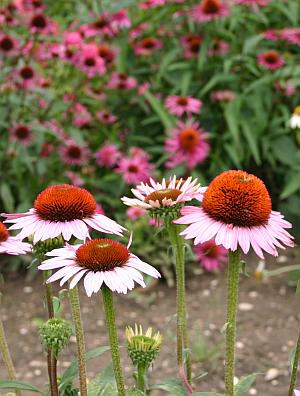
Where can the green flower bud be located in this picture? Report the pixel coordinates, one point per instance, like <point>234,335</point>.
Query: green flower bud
<point>42,247</point>
<point>55,335</point>
<point>142,348</point>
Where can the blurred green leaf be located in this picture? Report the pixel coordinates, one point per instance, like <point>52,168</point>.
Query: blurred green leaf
<point>7,197</point>
<point>244,384</point>
<point>14,384</point>
<point>172,386</point>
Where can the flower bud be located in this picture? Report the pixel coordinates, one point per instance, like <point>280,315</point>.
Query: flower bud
<point>55,335</point>
<point>142,348</point>
<point>42,247</point>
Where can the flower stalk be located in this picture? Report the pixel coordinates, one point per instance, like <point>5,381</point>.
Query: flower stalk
<point>75,307</point>
<point>295,367</point>
<point>182,336</point>
<point>109,311</point>
<point>232,301</point>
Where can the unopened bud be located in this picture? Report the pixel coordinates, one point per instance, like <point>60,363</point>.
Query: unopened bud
<point>55,335</point>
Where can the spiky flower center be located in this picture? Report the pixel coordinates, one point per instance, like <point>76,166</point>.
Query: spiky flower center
<point>132,169</point>
<point>64,203</point>
<point>90,62</point>
<point>26,73</point>
<point>194,43</point>
<point>189,138</point>
<point>3,233</point>
<point>148,43</point>
<point>238,198</point>
<point>102,255</point>
<point>182,101</point>
<point>101,23</point>
<point>211,6</point>
<point>6,44</point>
<point>39,21</point>
<point>74,152</point>
<point>22,132</point>
<point>271,57</point>
<point>160,195</point>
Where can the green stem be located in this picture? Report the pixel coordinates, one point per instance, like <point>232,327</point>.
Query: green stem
<point>6,357</point>
<point>232,300</point>
<point>49,294</point>
<point>295,367</point>
<point>75,307</point>
<point>141,377</point>
<point>113,337</point>
<point>182,333</point>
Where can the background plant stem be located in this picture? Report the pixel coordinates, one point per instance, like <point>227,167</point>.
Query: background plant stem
<point>232,300</point>
<point>295,367</point>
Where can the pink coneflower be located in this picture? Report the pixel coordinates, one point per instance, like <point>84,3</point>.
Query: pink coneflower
<point>135,213</point>
<point>223,96</point>
<point>210,256</point>
<point>121,81</point>
<point>168,193</point>
<point>120,20</point>
<point>270,60</point>
<point>88,60</point>
<point>25,6</point>
<point>179,105</point>
<point>108,155</point>
<point>188,144</point>
<point>138,30</point>
<point>73,153</point>
<point>219,48</point>
<point>99,261</point>
<point>253,3</point>
<point>134,170</point>
<point>286,88</point>
<point>73,39</point>
<point>40,23</point>
<point>292,35</point>
<point>147,46</point>
<point>102,26</point>
<point>209,10</point>
<point>272,35</point>
<point>81,116</point>
<point>12,245</point>
<point>106,53</point>
<point>62,210</point>
<point>27,77</point>
<point>237,211</point>
<point>106,118</point>
<point>22,134</point>
<point>8,45</point>
<point>191,44</point>
<point>46,150</point>
<point>74,178</point>
<point>145,5</point>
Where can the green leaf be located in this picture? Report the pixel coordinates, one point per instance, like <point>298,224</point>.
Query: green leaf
<point>298,287</point>
<point>135,392</point>
<point>244,384</point>
<point>285,150</point>
<point>291,186</point>
<point>293,352</point>
<point>252,141</point>
<point>172,386</point>
<point>104,383</point>
<point>7,197</point>
<point>72,371</point>
<point>14,384</point>
<point>251,43</point>
<point>159,109</point>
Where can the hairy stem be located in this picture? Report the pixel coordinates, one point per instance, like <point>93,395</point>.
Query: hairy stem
<point>295,367</point>
<point>113,338</point>
<point>232,300</point>
<point>75,307</point>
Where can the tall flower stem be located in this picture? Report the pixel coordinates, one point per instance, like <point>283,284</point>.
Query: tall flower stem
<point>142,377</point>
<point>75,307</point>
<point>232,301</point>
<point>295,367</point>
<point>113,337</point>
<point>51,359</point>
<point>182,336</point>
<point>7,358</point>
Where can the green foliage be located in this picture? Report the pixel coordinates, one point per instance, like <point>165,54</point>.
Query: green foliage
<point>172,386</point>
<point>244,384</point>
<point>14,384</point>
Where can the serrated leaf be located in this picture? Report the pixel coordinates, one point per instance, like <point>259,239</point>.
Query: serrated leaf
<point>244,384</point>
<point>14,384</point>
<point>173,386</point>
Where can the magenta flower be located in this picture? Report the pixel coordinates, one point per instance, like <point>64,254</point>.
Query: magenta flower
<point>27,77</point>
<point>74,178</point>
<point>102,26</point>
<point>108,155</point>
<point>237,211</point>
<point>270,60</point>
<point>120,20</point>
<point>121,81</point>
<point>210,256</point>
<point>134,169</point>
<point>286,88</point>
<point>89,62</point>
<point>223,96</point>
<point>22,134</point>
<point>272,35</point>
<point>147,46</point>
<point>253,3</point>
<point>42,24</point>
<point>81,115</point>
<point>106,118</point>
<point>135,213</point>
<point>145,5</point>
<point>188,144</point>
<point>191,45</point>
<point>8,45</point>
<point>72,153</point>
<point>209,10</point>
<point>99,261</point>
<point>12,245</point>
<point>179,105</point>
<point>219,48</point>
<point>62,210</point>
<point>106,53</point>
<point>291,35</point>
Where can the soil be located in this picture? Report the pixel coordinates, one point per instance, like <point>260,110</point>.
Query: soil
<point>268,321</point>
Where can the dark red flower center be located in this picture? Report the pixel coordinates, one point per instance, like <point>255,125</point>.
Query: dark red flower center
<point>27,73</point>
<point>182,101</point>
<point>101,23</point>
<point>6,44</point>
<point>189,138</point>
<point>238,198</point>
<point>160,195</point>
<point>3,233</point>
<point>211,6</point>
<point>102,255</point>
<point>105,53</point>
<point>39,21</point>
<point>210,249</point>
<point>64,202</point>
<point>74,152</point>
<point>148,43</point>
<point>22,132</point>
<point>271,57</point>
<point>133,169</point>
<point>90,62</point>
